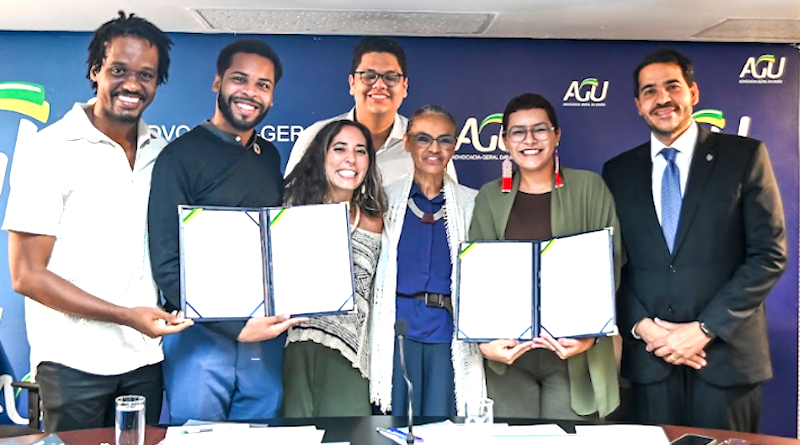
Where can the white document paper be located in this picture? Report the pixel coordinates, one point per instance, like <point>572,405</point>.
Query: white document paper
<point>300,435</point>
<point>447,432</point>
<point>223,267</point>
<point>495,293</point>
<point>577,285</point>
<point>311,261</point>
<point>549,429</point>
<point>624,434</point>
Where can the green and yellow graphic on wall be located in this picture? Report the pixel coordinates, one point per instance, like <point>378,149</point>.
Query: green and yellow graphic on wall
<point>710,116</point>
<point>24,98</point>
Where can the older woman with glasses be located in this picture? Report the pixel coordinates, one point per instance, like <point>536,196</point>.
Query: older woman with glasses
<point>428,218</point>
<point>546,378</point>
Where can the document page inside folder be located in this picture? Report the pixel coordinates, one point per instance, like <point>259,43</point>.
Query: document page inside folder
<point>222,264</point>
<point>577,285</point>
<point>312,269</point>
<point>495,290</point>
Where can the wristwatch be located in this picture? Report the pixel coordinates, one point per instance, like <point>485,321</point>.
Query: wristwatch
<point>708,333</point>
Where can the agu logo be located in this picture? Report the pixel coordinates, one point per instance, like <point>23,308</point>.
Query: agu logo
<point>27,99</point>
<point>716,119</point>
<point>586,93</point>
<point>470,134</point>
<point>764,69</point>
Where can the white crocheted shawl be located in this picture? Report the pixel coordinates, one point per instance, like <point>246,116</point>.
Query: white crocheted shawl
<point>467,359</point>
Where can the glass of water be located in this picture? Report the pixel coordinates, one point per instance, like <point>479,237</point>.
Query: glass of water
<point>129,422</point>
<point>480,411</point>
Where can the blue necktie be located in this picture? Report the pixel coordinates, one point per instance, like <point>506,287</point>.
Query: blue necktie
<point>671,199</point>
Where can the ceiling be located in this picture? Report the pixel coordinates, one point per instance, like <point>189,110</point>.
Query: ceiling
<point>682,20</point>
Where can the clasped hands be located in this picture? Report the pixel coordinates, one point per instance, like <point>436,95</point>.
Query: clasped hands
<point>676,343</point>
<point>508,351</point>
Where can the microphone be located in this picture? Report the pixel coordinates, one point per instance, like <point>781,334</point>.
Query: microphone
<point>400,331</point>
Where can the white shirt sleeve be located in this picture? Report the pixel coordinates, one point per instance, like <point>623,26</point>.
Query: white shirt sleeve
<point>300,147</point>
<point>35,203</point>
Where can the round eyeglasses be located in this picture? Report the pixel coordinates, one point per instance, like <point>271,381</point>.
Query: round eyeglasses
<point>390,78</point>
<point>540,133</point>
<point>424,141</point>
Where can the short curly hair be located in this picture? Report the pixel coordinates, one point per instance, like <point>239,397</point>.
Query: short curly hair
<point>128,26</point>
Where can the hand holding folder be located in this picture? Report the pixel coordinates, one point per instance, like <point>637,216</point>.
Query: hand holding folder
<point>563,287</point>
<point>258,329</point>
<point>240,263</point>
<point>564,347</point>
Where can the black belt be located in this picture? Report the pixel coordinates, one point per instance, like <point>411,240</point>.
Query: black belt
<point>432,300</point>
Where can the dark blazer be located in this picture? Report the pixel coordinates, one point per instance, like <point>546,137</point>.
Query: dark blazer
<point>730,250</point>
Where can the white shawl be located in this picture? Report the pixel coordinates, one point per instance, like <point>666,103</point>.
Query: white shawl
<point>467,359</point>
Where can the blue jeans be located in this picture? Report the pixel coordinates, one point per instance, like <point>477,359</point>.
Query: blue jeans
<point>213,378</point>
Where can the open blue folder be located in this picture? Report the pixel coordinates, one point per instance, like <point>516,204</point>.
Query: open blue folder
<point>238,263</point>
<point>521,289</point>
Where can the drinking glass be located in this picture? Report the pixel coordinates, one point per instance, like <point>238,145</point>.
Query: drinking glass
<point>129,420</point>
<point>480,411</point>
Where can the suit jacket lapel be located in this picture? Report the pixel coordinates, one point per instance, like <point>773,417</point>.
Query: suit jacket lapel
<point>699,172</point>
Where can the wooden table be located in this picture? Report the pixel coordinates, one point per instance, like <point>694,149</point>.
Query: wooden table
<point>361,430</point>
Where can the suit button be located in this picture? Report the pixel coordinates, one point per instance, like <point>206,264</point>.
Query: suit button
<point>670,308</point>
<point>672,268</point>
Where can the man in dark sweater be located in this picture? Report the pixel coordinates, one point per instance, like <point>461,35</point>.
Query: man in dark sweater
<point>221,370</point>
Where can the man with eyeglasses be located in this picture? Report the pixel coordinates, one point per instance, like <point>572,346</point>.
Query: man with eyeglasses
<point>378,84</point>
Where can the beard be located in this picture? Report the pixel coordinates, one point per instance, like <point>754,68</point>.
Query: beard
<point>669,129</point>
<point>225,104</point>
<point>125,116</point>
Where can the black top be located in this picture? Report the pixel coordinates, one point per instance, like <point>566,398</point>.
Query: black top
<point>206,166</point>
<point>530,217</point>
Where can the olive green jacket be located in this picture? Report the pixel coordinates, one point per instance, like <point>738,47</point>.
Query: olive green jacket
<point>583,204</point>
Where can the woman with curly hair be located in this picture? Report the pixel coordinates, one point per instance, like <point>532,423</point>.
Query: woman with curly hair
<point>326,364</point>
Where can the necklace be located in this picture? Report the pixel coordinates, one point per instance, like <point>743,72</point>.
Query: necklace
<point>427,218</point>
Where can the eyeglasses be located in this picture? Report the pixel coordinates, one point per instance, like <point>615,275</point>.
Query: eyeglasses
<point>518,134</point>
<point>390,78</point>
<point>424,141</point>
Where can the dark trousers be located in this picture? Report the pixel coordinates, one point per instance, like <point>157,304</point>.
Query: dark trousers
<point>685,399</point>
<point>430,369</point>
<point>75,399</point>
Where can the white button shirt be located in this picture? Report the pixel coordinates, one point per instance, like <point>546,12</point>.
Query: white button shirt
<point>74,183</point>
<point>683,159</point>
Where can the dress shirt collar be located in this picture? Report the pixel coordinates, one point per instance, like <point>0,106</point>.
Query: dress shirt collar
<point>80,127</point>
<point>226,137</point>
<point>684,144</point>
<point>397,133</point>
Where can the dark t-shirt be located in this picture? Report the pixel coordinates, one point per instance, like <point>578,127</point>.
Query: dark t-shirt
<point>530,217</point>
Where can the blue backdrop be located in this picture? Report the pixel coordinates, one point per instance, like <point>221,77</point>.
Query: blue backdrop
<point>744,88</point>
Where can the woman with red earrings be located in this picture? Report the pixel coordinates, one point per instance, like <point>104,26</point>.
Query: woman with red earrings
<point>549,378</point>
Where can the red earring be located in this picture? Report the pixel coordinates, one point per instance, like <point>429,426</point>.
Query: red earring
<point>559,181</point>
<point>506,184</point>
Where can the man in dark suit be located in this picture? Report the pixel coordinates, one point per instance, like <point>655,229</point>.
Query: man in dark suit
<point>702,225</point>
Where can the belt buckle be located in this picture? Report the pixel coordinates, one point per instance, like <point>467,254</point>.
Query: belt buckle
<point>437,302</point>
